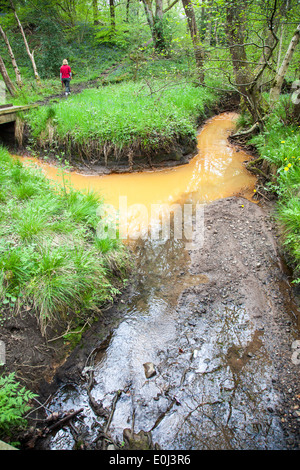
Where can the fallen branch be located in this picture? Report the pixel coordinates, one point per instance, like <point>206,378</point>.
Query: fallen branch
<point>261,194</point>
<point>246,132</point>
<point>62,422</point>
<point>114,402</point>
<point>106,437</point>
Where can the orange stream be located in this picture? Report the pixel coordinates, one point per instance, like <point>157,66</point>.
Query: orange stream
<point>216,172</point>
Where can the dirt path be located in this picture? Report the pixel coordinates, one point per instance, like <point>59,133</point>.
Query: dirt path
<point>79,87</point>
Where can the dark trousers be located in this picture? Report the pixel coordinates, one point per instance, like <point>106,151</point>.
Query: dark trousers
<point>66,82</point>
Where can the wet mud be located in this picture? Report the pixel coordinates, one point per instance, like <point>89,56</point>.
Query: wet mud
<point>218,329</point>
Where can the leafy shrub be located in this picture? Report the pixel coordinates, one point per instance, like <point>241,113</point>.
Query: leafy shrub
<point>279,144</point>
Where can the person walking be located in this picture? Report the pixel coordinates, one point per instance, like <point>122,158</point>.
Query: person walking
<point>66,76</point>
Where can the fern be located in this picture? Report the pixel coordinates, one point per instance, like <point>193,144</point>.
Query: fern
<point>14,403</point>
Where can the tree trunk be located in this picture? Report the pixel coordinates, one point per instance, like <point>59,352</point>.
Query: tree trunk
<point>155,23</point>
<point>160,44</point>
<point>95,12</point>
<point>296,112</point>
<point>245,81</point>
<point>9,84</point>
<point>149,15</point>
<point>235,37</point>
<point>13,60</point>
<point>127,10</point>
<point>198,49</point>
<point>112,15</point>
<point>280,46</point>
<point>30,54</point>
<point>277,84</point>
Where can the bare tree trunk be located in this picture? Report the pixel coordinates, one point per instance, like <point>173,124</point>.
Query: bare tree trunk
<point>160,44</point>
<point>198,49</point>
<point>235,36</point>
<point>30,54</point>
<point>278,81</point>
<point>246,83</point>
<point>149,14</point>
<point>280,46</point>
<point>13,60</point>
<point>9,84</point>
<point>216,32</point>
<point>155,23</point>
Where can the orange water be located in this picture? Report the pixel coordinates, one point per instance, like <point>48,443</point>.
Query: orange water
<point>216,172</point>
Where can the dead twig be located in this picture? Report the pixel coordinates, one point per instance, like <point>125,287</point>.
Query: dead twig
<point>62,422</point>
<point>114,402</point>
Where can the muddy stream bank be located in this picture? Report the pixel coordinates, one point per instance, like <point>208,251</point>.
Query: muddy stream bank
<point>200,352</point>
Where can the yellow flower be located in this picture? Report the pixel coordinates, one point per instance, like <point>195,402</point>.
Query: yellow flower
<point>254,190</point>
<point>283,141</point>
<point>289,165</point>
<point>286,169</point>
<point>242,205</point>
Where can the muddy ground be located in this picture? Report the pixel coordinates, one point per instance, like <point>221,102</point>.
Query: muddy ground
<point>227,376</point>
<point>233,359</point>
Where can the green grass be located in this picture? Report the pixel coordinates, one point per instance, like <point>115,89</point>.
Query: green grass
<point>279,144</point>
<point>50,257</point>
<point>124,115</point>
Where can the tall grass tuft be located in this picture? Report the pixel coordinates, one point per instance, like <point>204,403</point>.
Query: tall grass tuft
<point>48,258</point>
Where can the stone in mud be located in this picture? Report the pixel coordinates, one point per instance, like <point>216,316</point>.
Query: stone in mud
<point>149,369</point>
<point>139,441</point>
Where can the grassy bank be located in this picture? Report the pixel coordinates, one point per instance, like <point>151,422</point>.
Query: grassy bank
<point>51,262</point>
<point>111,121</point>
<point>279,145</point>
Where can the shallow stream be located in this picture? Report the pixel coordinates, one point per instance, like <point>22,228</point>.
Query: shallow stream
<point>212,383</point>
<point>217,171</point>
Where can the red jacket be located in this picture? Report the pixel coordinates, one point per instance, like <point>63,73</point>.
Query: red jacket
<point>65,71</point>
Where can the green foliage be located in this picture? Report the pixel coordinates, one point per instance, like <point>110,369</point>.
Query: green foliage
<point>279,145</point>
<point>14,403</point>
<point>52,48</point>
<point>49,257</point>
